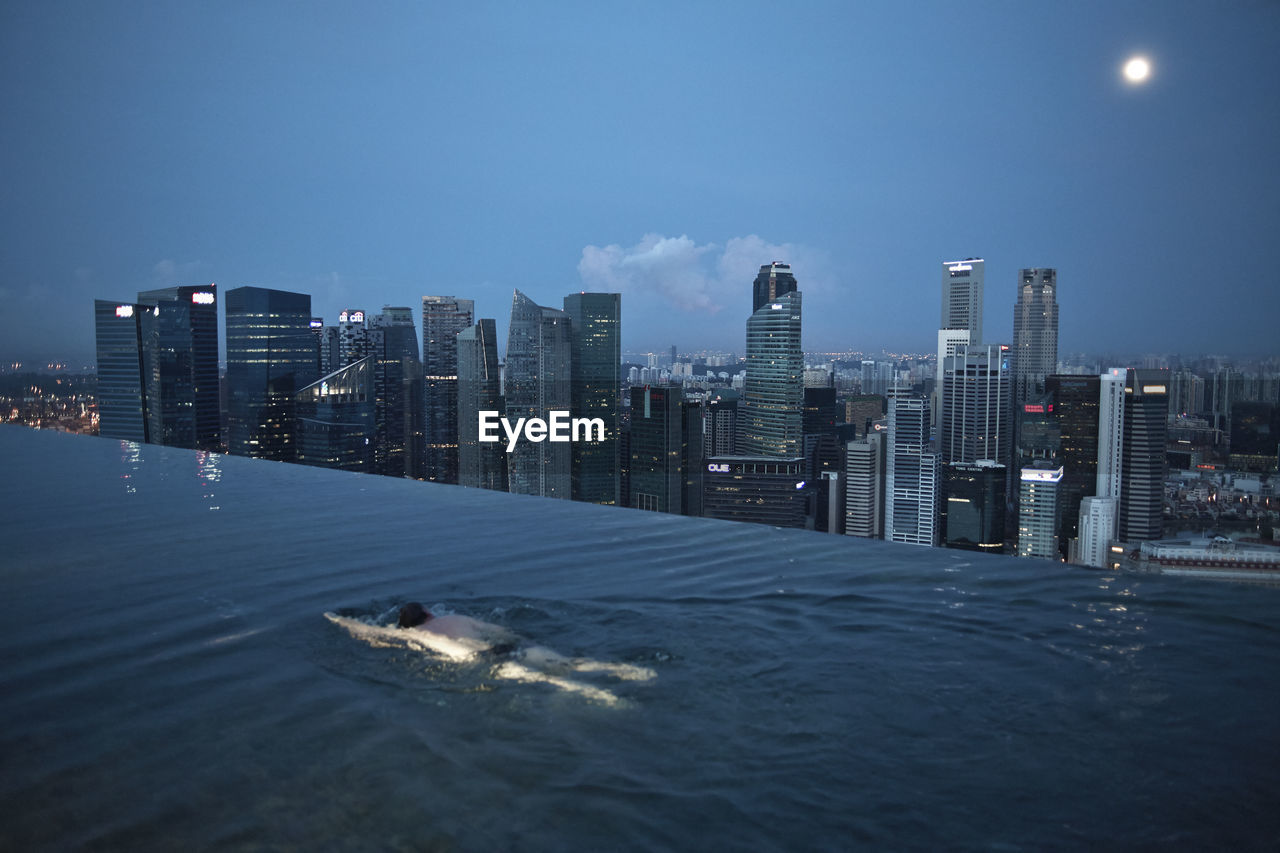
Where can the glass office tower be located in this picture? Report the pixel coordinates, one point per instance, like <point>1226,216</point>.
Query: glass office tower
<point>770,420</point>
<point>537,382</point>
<point>443,317</point>
<point>180,338</point>
<point>480,465</point>
<point>122,387</point>
<point>596,323</point>
<point>336,422</point>
<point>270,357</point>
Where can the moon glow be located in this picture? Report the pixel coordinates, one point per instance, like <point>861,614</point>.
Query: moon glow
<point>1137,70</point>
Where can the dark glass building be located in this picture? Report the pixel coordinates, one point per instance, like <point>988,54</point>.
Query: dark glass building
<point>973,506</point>
<point>122,387</point>
<point>1075,401</point>
<point>270,357</point>
<point>480,465</point>
<point>1143,466</point>
<point>595,321</point>
<point>336,419</point>
<point>158,362</point>
<point>657,452</point>
<point>443,317</point>
<point>538,377</point>
<point>1255,431</point>
<point>773,281</point>
<point>758,489</point>
<point>180,340</point>
<point>721,429</point>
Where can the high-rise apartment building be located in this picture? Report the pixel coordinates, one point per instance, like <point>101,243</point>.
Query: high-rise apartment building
<point>481,465</point>
<point>538,381</point>
<point>270,357</point>
<point>1035,332</point>
<point>595,320</point>
<point>443,317</point>
<point>769,416</point>
<point>962,285</point>
<point>911,472</point>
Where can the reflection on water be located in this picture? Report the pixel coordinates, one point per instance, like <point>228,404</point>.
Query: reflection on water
<point>170,680</point>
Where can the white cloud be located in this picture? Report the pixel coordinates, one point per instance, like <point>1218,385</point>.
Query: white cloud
<point>698,279</point>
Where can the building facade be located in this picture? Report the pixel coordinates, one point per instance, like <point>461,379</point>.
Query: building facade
<point>595,320</point>
<point>911,472</point>
<point>270,357</point>
<point>481,465</point>
<point>770,419</point>
<point>538,381</point>
<point>443,317</point>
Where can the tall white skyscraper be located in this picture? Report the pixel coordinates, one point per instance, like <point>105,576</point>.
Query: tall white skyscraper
<point>962,284</point>
<point>911,472</point>
<point>1099,515</point>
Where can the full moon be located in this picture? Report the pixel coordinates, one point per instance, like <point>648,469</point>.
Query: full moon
<point>1137,70</point>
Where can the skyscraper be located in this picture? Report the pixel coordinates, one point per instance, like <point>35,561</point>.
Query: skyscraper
<point>773,281</point>
<point>769,417</point>
<point>864,486</point>
<point>596,323</point>
<point>721,422</point>
<point>1099,513</point>
<point>962,284</point>
<point>1038,512</point>
<point>538,380</point>
<point>657,463</point>
<point>353,337</point>
<point>270,357</point>
<point>911,472</point>
<point>393,345</point>
<point>158,368</point>
<point>975,396</point>
<point>122,387</point>
<point>180,338</point>
<point>443,317</point>
<point>1076,411</point>
<point>336,423</point>
<point>480,465</point>
<point>1035,332</point>
<point>1146,410</point>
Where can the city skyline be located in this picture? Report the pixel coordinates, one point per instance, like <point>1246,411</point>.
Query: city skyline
<point>534,149</point>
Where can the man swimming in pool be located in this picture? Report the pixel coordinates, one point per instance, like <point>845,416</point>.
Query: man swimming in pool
<point>463,638</point>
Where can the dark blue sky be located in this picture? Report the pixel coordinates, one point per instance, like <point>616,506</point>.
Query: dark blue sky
<point>369,154</point>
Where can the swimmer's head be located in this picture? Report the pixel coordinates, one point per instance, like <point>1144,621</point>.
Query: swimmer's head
<point>413,614</point>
